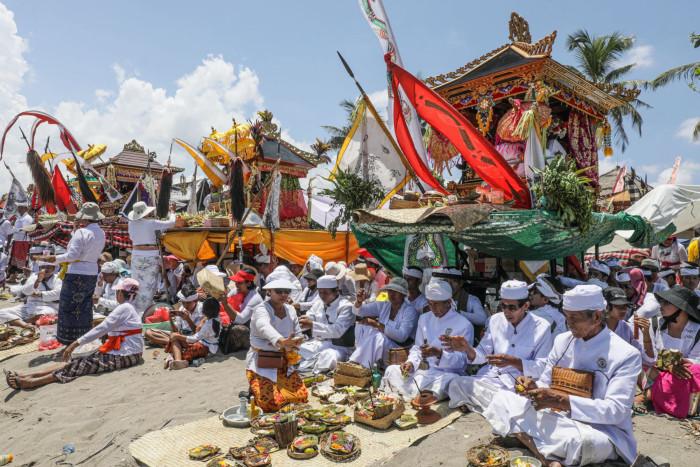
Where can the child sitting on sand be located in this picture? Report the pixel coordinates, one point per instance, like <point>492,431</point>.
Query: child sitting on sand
<point>185,318</point>
<point>205,341</point>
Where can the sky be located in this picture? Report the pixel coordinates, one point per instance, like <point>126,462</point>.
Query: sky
<point>151,71</point>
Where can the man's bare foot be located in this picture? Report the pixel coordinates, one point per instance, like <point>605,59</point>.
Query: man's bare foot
<point>12,379</point>
<point>180,364</point>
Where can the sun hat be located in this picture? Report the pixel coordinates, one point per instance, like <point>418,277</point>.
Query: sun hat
<point>361,273</point>
<point>397,284</point>
<point>213,268</point>
<point>438,290</point>
<point>615,296</point>
<point>682,298</point>
<point>140,210</point>
<point>280,284</point>
<point>412,271</point>
<point>90,211</point>
<point>314,274</point>
<point>584,297</point>
<point>514,290</point>
<point>327,282</point>
<point>242,276</point>
<point>650,265</point>
<point>127,285</point>
<point>336,269</point>
<point>110,267</point>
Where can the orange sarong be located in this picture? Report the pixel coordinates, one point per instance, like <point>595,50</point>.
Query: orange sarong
<point>271,397</point>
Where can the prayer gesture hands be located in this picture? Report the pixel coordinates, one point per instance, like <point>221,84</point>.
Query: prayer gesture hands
<point>360,297</point>
<point>681,371</point>
<point>290,343</point>
<point>545,398</point>
<point>503,360</point>
<point>406,368</point>
<point>642,323</point>
<point>455,343</point>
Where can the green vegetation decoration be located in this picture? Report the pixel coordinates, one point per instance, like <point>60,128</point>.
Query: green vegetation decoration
<point>351,192</point>
<point>561,188</point>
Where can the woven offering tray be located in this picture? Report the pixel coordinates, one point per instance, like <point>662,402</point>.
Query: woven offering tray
<point>223,461</point>
<point>333,446</point>
<point>302,447</point>
<point>488,455</point>
<point>314,428</point>
<point>261,460</point>
<point>294,407</point>
<point>368,418</point>
<point>352,369</point>
<point>572,382</point>
<point>264,444</point>
<point>203,452</point>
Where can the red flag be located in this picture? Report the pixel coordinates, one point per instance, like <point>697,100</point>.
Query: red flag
<point>476,150</point>
<point>63,198</point>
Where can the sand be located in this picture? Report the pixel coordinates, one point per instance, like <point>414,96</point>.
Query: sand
<point>102,414</point>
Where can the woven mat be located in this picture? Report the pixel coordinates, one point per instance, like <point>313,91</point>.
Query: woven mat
<point>169,446</point>
<point>19,350</point>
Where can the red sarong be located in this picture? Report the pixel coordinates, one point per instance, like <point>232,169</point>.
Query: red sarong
<point>19,253</point>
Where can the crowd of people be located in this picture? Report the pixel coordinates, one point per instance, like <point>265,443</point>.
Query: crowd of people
<point>575,355</point>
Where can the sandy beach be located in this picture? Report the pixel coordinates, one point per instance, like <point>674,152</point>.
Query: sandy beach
<point>102,414</point>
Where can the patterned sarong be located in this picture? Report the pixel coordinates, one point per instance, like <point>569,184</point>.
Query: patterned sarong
<point>190,351</point>
<point>146,270</point>
<point>75,307</point>
<point>271,397</point>
<point>19,253</point>
<point>95,364</point>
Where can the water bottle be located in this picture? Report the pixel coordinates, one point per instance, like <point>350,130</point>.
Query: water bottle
<point>197,362</point>
<point>376,377</point>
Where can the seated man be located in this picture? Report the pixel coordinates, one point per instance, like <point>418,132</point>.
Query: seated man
<point>310,293</point>
<point>381,326</point>
<point>516,343</point>
<point>577,430</point>
<point>185,318</point>
<point>467,304</point>
<point>174,275</point>
<point>42,291</point>
<point>414,277</point>
<point>545,302</point>
<point>105,297</point>
<point>332,325</point>
<point>430,366</point>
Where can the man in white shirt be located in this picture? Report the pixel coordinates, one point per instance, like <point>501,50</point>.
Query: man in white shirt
<point>414,277</point>
<point>346,285</point>
<point>545,301</point>
<point>310,293</point>
<point>174,273</point>
<point>516,343</point>
<point>690,277</point>
<point>105,297</point>
<point>430,366</point>
<point>467,304</point>
<point>669,253</point>
<point>332,325</point>
<point>41,292</point>
<point>6,229</point>
<point>578,429</point>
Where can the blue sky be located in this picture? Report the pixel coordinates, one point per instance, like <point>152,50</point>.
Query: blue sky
<point>135,69</point>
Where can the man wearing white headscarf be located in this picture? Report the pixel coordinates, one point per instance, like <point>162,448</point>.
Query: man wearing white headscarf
<point>332,324</point>
<point>430,366</point>
<point>345,284</point>
<point>105,297</point>
<point>42,291</point>
<point>466,304</point>
<point>516,343</point>
<point>382,326</point>
<point>545,301</point>
<point>577,429</point>
<point>690,277</point>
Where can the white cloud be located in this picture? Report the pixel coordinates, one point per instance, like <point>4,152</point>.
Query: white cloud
<point>687,173</point>
<point>380,100</point>
<point>641,55</point>
<point>119,73</point>
<point>103,94</point>
<point>606,164</point>
<point>685,130</point>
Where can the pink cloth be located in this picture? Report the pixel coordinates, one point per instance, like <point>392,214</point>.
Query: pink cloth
<point>639,284</point>
<point>671,395</point>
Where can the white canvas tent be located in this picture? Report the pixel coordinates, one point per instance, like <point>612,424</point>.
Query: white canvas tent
<point>665,204</point>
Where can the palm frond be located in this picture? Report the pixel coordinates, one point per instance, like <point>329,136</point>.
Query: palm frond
<point>696,132</point>
<point>614,75</point>
<point>684,72</point>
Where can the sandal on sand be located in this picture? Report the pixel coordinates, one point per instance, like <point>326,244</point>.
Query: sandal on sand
<point>180,364</point>
<point>464,409</point>
<point>168,363</point>
<point>8,374</point>
<point>641,405</point>
<point>4,345</point>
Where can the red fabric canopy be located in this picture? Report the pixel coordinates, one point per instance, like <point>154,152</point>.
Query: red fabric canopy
<point>476,150</point>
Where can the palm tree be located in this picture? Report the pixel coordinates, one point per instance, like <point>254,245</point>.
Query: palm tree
<point>598,57</point>
<point>689,72</point>
<point>338,134</point>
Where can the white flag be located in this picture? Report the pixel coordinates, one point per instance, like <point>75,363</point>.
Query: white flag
<point>15,195</point>
<point>370,152</point>
<point>379,22</point>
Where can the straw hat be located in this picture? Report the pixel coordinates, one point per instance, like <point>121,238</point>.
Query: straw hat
<point>361,273</point>
<point>336,269</point>
<point>140,210</point>
<point>90,211</point>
